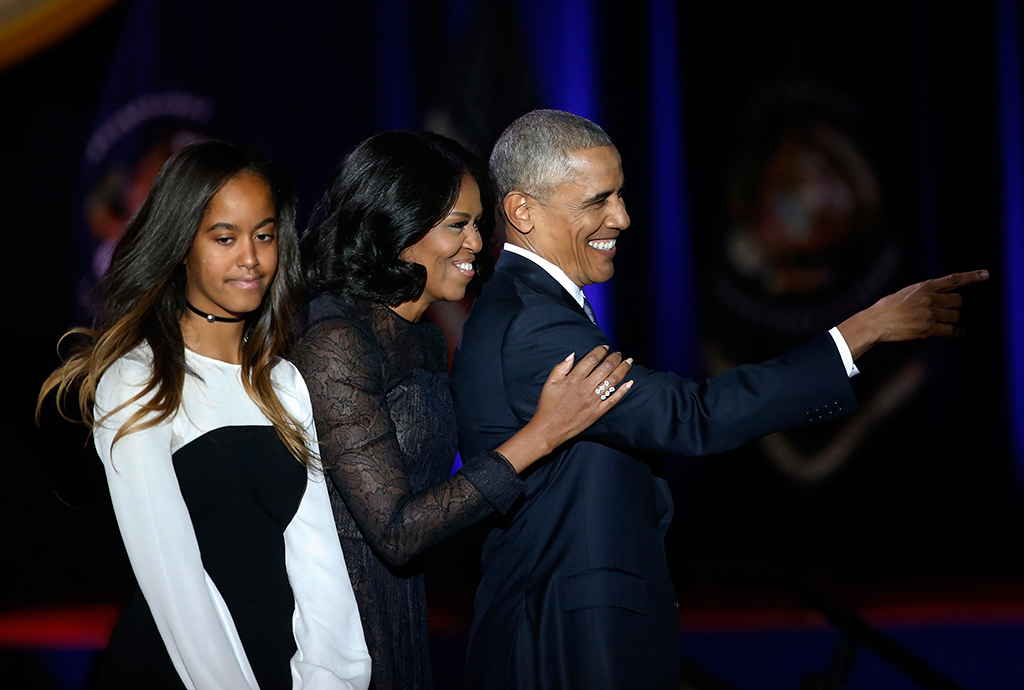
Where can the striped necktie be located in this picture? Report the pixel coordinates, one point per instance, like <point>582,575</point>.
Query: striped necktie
<point>589,310</point>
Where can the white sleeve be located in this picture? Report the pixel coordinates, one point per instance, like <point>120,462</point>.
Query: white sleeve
<point>193,620</point>
<point>331,651</point>
<point>844,351</point>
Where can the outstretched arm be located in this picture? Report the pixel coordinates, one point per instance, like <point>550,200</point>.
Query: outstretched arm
<point>925,309</point>
<point>662,412</point>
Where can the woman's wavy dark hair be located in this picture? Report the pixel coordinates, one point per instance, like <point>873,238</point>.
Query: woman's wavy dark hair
<point>388,194</point>
<point>144,293</point>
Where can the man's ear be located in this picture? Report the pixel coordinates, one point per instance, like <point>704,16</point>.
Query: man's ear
<point>516,206</point>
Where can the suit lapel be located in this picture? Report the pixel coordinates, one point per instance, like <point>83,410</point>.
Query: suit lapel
<point>525,271</point>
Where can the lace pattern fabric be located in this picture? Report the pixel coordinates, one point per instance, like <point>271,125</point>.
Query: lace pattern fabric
<point>386,422</point>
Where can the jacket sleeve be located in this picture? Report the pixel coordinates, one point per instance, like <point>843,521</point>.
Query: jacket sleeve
<point>663,412</point>
<point>193,620</point>
<point>331,651</point>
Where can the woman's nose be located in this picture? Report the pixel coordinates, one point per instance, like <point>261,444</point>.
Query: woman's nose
<point>473,241</point>
<point>247,255</point>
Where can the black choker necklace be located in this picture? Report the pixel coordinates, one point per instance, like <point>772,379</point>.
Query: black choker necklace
<point>210,317</point>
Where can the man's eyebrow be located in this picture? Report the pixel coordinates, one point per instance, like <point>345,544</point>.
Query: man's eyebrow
<point>597,198</point>
<point>601,196</point>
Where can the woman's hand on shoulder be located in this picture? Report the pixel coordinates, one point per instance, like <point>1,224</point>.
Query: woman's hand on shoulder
<point>575,395</point>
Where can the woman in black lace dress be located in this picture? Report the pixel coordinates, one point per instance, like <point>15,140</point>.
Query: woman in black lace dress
<point>405,224</point>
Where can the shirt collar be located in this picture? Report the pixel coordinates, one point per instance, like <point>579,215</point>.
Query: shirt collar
<point>552,270</point>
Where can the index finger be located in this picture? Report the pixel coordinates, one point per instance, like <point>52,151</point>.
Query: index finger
<point>589,362</point>
<point>958,280</point>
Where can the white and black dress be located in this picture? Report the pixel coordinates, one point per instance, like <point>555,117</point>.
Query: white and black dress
<point>242,583</point>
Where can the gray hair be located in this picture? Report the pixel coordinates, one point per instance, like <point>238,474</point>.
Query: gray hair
<point>535,153</point>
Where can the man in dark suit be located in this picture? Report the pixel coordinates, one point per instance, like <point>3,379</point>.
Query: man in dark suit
<point>576,591</point>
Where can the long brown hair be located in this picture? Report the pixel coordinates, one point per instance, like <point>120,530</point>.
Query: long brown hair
<point>144,296</point>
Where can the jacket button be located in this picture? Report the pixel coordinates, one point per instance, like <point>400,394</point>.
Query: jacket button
<point>675,605</point>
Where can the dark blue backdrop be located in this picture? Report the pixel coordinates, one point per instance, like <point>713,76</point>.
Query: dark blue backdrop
<point>931,493</point>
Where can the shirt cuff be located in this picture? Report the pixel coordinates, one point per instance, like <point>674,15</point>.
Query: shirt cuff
<point>495,478</point>
<point>844,352</point>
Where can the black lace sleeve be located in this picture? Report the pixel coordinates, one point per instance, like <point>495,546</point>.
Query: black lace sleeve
<point>344,371</point>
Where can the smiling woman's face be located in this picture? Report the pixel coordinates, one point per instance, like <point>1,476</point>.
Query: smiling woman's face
<point>448,252</point>
<point>234,254</point>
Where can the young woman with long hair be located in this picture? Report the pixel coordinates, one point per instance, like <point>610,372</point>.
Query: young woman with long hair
<point>208,443</point>
<point>407,223</point>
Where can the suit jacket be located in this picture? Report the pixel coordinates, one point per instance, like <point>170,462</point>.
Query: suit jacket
<point>576,591</point>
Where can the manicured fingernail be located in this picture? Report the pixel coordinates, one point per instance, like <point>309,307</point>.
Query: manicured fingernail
<point>983,275</point>
<point>569,358</point>
<point>606,347</point>
<point>627,385</point>
<point>629,361</point>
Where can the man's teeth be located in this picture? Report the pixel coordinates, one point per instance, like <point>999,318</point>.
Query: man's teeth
<point>464,265</point>
<point>603,245</point>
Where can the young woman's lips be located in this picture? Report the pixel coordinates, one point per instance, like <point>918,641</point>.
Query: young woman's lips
<point>465,268</point>
<point>247,283</point>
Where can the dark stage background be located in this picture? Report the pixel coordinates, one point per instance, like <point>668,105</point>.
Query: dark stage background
<point>865,134</point>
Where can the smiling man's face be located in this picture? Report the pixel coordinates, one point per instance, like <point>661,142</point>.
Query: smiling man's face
<point>578,224</point>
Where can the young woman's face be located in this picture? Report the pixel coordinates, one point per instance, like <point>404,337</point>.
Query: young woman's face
<point>234,254</point>
<point>448,250</point>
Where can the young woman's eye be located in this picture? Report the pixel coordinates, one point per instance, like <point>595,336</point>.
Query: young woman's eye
<point>224,240</point>
<point>265,237</point>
